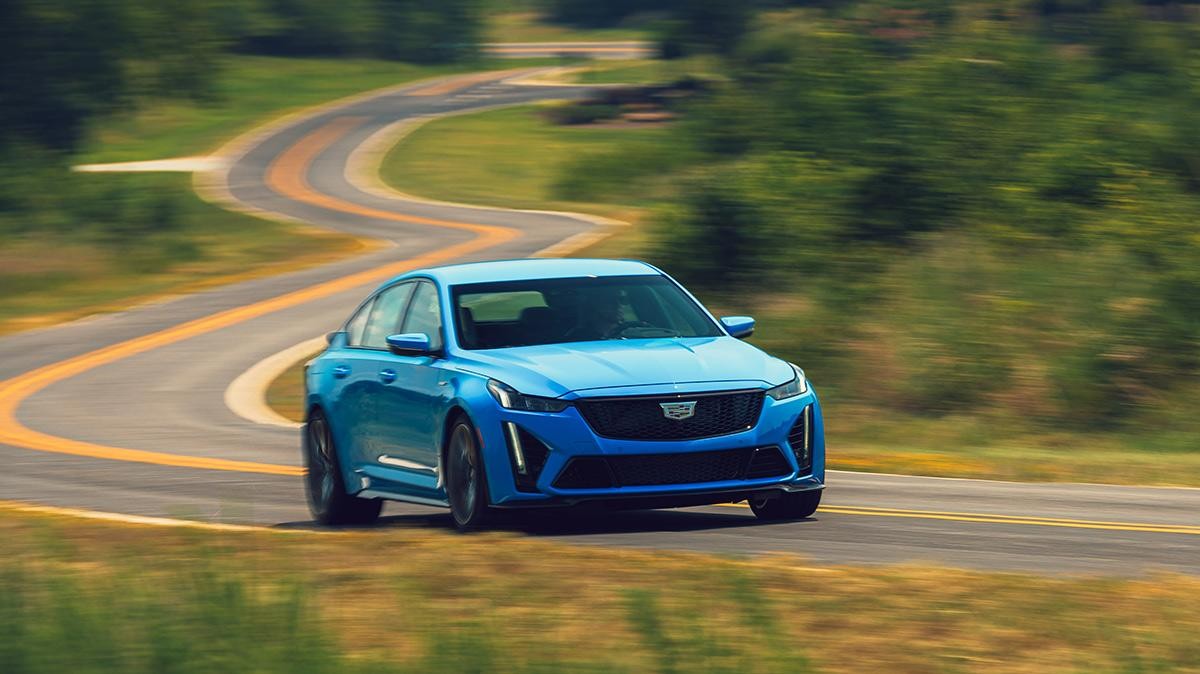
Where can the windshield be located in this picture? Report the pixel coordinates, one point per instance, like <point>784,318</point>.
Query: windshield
<point>555,311</point>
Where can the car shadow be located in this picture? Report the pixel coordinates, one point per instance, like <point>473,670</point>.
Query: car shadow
<point>588,521</point>
<point>582,522</point>
<point>575,521</point>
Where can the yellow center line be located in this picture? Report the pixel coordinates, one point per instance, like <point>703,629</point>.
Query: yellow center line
<point>287,176</point>
<point>988,518</point>
<point>1028,518</point>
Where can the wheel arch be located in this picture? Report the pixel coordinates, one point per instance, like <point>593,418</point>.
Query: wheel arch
<point>349,478</point>
<point>456,411</point>
<point>314,406</point>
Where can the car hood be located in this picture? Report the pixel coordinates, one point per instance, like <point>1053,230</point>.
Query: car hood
<point>554,370</point>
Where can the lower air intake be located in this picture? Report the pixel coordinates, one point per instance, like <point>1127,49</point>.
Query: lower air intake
<point>643,470</point>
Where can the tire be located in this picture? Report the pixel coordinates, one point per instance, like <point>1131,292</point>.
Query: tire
<point>466,479</point>
<point>794,506</point>
<point>328,500</point>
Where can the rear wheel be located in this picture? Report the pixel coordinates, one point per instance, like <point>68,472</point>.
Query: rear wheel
<point>466,482</point>
<point>794,506</point>
<point>328,500</point>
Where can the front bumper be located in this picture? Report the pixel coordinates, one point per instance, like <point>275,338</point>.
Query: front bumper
<point>568,436</point>
<point>667,500</point>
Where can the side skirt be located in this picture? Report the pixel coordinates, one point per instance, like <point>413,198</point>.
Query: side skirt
<point>404,498</point>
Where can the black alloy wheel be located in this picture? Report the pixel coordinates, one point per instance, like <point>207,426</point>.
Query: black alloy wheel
<point>465,480</point>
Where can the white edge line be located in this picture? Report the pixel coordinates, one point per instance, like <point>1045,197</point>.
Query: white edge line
<point>552,77</point>
<point>140,519</point>
<point>246,396</point>
<point>173,164</point>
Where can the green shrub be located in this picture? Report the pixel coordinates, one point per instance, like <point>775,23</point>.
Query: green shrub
<point>581,113</point>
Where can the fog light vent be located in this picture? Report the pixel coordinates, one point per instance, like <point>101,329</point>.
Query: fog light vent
<point>527,455</point>
<point>800,440</point>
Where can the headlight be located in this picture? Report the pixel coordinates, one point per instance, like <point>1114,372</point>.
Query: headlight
<point>795,387</point>
<point>510,399</point>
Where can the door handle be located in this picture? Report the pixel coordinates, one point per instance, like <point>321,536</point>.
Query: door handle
<point>341,371</point>
<point>387,376</point>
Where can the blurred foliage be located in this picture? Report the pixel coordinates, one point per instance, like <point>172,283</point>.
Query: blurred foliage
<point>417,31</point>
<point>685,26</point>
<point>985,205</point>
<point>75,244</point>
<point>68,60</point>
<point>39,198</point>
<point>595,14</point>
<point>68,64</point>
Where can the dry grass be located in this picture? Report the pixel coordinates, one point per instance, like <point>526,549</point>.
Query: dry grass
<point>285,395</point>
<point>391,595</point>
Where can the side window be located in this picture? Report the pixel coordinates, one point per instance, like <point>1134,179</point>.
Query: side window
<point>425,315</point>
<point>358,324</point>
<point>385,316</point>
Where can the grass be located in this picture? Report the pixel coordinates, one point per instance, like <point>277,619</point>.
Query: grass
<point>643,71</point>
<point>285,394</point>
<point>512,158</point>
<point>101,597</point>
<point>529,26</point>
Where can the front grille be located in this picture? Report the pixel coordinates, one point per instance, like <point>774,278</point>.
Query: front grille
<point>652,469</point>
<point>642,418</point>
<point>641,470</point>
<point>800,440</point>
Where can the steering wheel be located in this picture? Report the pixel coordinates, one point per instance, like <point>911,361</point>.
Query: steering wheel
<point>623,326</point>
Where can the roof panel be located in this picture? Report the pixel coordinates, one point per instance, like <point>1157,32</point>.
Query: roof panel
<point>532,268</point>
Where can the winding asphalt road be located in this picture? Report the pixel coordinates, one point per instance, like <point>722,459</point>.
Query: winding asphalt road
<point>125,413</point>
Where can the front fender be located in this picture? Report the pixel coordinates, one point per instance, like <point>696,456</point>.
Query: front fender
<point>468,395</point>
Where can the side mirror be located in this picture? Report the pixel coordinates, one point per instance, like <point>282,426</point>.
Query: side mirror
<point>410,344</point>
<point>738,326</point>
<point>330,336</point>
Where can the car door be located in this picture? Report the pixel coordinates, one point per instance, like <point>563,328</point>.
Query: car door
<point>411,388</point>
<point>343,375</point>
<point>359,407</point>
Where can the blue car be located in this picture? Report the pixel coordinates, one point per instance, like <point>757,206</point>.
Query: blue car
<point>536,383</point>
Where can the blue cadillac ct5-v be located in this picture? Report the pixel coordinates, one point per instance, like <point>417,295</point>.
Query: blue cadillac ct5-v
<point>532,383</point>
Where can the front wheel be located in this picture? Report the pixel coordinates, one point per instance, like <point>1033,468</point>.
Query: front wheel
<point>466,482</point>
<point>328,500</point>
<point>794,506</point>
